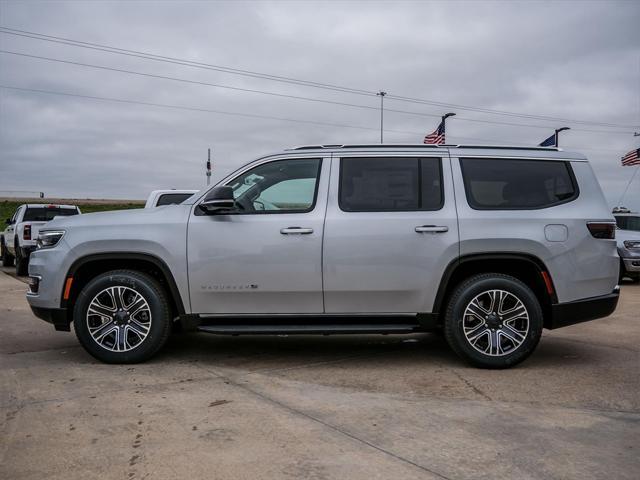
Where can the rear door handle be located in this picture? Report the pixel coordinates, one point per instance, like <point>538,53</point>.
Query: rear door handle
<point>432,229</point>
<point>296,231</point>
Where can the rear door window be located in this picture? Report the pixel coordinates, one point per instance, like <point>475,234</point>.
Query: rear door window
<point>390,184</point>
<point>44,214</point>
<point>517,184</point>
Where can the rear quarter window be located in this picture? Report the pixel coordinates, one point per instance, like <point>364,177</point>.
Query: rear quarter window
<point>517,184</point>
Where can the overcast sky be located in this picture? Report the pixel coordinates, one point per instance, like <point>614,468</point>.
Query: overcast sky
<point>571,60</point>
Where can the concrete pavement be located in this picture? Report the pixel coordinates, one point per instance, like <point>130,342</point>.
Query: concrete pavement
<point>318,407</point>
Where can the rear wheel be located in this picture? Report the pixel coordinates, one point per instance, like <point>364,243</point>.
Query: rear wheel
<point>22,262</point>
<point>7,258</point>
<point>122,316</point>
<point>493,321</point>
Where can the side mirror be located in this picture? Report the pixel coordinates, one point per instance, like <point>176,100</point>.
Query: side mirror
<point>218,200</point>
<point>8,221</point>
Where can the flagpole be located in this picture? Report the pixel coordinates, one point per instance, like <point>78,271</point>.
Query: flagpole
<point>444,124</point>
<point>628,185</point>
<point>381,94</point>
<point>558,130</point>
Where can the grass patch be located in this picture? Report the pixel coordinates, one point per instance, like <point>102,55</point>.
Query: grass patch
<point>8,207</point>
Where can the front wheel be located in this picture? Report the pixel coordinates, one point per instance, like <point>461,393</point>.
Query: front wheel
<point>493,321</point>
<point>122,316</point>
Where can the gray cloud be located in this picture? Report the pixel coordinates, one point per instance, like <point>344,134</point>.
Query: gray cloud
<point>570,60</point>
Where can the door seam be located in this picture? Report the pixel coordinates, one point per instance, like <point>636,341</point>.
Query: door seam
<point>324,222</point>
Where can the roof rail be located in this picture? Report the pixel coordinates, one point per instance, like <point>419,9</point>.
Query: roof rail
<point>421,145</point>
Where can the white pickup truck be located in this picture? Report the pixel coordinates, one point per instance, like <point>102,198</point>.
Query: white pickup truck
<point>19,237</point>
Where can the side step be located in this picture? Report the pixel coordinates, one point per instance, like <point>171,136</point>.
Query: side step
<point>309,329</point>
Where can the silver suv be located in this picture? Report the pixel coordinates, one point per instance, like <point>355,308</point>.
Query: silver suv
<point>488,244</point>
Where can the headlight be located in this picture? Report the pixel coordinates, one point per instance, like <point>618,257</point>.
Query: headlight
<point>49,238</point>
<point>632,243</point>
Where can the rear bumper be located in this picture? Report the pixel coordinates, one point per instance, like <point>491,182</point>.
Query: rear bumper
<point>570,313</point>
<point>56,316</point>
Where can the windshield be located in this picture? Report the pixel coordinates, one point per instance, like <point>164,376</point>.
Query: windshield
<point>44,214</point>
<point>628,222</point>
<point>172,198</point>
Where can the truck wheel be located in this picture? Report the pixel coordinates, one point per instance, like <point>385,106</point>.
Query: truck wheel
<point>122,316</point>
<point>7,258</point>
<point>22,263</point>
<point>493,321</point>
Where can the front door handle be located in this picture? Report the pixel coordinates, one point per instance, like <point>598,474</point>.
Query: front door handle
<point>296,231</point>
<point>431,229</point>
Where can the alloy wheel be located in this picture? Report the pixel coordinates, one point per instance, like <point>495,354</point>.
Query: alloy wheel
<point>495,323</point>
<point>118,319</point>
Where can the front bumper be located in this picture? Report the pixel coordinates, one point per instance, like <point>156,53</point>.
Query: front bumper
<point>632,265</point>
<point>57,316</point>
<point>570,313</point>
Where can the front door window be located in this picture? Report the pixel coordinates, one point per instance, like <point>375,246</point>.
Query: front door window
<point>282,186</point>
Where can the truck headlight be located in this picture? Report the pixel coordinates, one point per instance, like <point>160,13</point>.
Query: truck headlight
<point>631,243</point>
<point>49,238</point>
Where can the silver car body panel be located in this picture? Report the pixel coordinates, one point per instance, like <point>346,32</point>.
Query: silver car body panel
<point>376,261</point>
<point>352,262</point>
<point>580,266</point>
<point>159,232</point>
<point>242,263</point>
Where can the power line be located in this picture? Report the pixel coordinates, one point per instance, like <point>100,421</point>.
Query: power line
<point>290,80</point>
<point>250,115</point>
<point>197,109</point>
<point>283,95</point>
<point>180,61</point>
<point>506,113</point>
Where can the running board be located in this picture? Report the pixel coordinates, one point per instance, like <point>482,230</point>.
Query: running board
<point>309,329</point>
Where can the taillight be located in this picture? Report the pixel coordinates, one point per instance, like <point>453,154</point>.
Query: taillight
<point>26,234</point>
<point>602,229</point>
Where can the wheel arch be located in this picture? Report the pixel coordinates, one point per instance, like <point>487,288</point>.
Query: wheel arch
<point>89,266</point>
<point>527,268</point>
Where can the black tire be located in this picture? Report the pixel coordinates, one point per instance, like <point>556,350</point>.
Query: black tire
<point>159,317</point>
<point>507,353</point>
<point>22,262</point>
<point>7,258</point>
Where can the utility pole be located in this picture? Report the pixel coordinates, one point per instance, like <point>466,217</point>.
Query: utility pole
<point>209,167</point>
<point>381,94</point>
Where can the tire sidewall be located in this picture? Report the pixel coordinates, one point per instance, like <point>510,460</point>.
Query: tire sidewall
<point>160,318</point>
<point>22,262</point>
<point>469,290</point>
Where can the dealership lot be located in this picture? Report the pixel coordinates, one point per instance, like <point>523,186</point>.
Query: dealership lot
<point>318,407</point>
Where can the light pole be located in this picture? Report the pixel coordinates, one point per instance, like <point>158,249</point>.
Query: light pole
<point>381,94</point>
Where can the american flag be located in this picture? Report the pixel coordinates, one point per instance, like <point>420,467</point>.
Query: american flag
<point>437,136</point>
<point>631,158</point>
<point>552,141</point>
